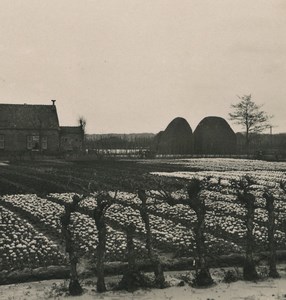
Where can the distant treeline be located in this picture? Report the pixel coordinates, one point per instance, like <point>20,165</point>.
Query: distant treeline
<point>265,143</point>
<point>119,141</point>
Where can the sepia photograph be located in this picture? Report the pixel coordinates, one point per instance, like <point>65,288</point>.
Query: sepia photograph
<point>143,149</point>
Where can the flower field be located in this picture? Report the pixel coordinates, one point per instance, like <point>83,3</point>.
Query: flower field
<point>31,228</point>
<point>22,246</point>
<point>223,164</point>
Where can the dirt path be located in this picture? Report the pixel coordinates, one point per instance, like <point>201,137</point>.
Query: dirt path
<point>263,290</point>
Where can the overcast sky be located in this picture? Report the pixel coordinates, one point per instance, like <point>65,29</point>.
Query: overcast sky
<point>133,66</point>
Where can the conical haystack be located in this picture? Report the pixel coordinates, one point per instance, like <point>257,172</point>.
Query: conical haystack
<point>177,138</point>
<point>213,135</point>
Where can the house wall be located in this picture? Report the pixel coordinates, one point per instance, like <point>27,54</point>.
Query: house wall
<point>16,139</point>
<point>71,142</point>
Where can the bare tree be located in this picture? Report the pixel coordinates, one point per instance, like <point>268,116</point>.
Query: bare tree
<point>103,203</point>
<point>244,196</point>
<point>82,123</point>
<point>196,202</point>
<point>74,285</point>
<point>271,230</point>
<point>158,270</point>
<point>249,115</point>
<point>132,278</point>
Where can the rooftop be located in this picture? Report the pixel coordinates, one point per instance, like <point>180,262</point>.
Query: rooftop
<point>28,116</point>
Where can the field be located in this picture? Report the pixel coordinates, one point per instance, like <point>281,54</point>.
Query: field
<point>59,176</point>
<point>33,196</point>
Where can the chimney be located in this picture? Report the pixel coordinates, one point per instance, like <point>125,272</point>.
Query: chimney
<point>53,102</point>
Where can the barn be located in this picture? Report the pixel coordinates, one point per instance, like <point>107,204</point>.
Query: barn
<point>213,135</point>
<point>27,128</point>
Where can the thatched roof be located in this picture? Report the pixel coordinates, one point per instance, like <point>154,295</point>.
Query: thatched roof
<point>24,116</point>
<point>213,135</point>
<point>177,138</point>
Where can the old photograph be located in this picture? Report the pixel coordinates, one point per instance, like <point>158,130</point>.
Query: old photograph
<point>142,149</point>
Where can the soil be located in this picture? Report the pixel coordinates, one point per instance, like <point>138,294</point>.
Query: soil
<point>40,177</point>
<point>264,289</point>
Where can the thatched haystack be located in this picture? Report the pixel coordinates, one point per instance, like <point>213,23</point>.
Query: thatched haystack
<point>177,138</point>
<point>156,141</point>
<point>213,135</point>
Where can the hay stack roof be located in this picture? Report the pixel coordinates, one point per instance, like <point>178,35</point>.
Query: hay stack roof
<point>177,138</point>
<point>213,135</point>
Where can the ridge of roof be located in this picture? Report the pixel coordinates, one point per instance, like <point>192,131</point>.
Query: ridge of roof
<point>19,116</point>
<point>26,104</point>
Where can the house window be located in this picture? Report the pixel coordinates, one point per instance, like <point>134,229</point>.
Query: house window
<point>2,141</point>
<point>44,143</point>
<point>33,142</point>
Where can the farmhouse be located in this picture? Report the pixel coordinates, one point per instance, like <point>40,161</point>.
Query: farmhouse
<point>25,128</point>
